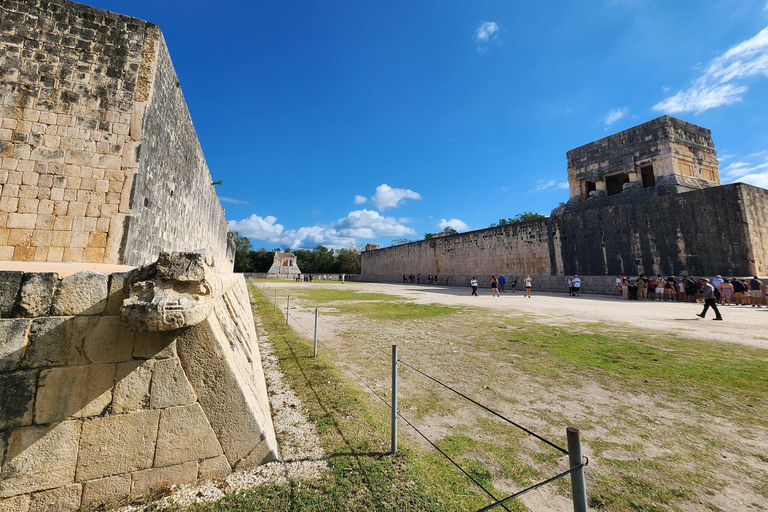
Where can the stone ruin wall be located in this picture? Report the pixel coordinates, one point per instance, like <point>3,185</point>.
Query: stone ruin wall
<point>95,141</point>
<point>716,230</point>
<point>91,412</point>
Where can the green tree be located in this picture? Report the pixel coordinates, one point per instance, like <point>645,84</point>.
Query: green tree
<point>243,249</point>
<point>349,259</point>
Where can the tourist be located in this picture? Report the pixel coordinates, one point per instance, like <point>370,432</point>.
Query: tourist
<point>739,291</point>
<point>642,289</point>
<point>570,286</point>
<point>717,281</point>
<point>625,288</point>
<point>680,284</point>
<point>473,284</point>
<point>576,285</point>
<point>618,284</point>
<point>756,291</point>
<point>528,284</point>
<point>434,281</point>
<point>659,288</point>
<point>651,288</point>
<point>709,300</point>
<point>494,287</point>
<point>512,283</point>
<point>691,289</point>
<point>429,279</point>
<point>502,283</point>
<point>418,278</point>
<point>670,289</point>
<point>726,291</point>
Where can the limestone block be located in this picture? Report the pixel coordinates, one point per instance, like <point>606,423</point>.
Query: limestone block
<point>74,392</point>
<point>17,397</point>
<point>15,504</point>
<point>217,467</point>
<point>185,435</point>
<point>84,293</point>
<point>10,284</point>
<point>13,340</point>
<point>159,344</point>
<point>158,478</point>
<point>118,292</point>
<point>107,342</point>
<point>170,386</point>
<point>40,458</point>
<point>106,490</point>
<point>132,386</point>
<point>63,499</point>
<point>36,294</point>
<point>117,444</point>
<point>247,436</point>
<point>56,341</point>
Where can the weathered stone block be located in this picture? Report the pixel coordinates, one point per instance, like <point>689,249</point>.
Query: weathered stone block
<point>158,478</point>
<point>36,294</point>
<point>15,504</point>
<point>217,467</point>
<point>132,386</point>
<point>10,285</point>
<point>40,458</point>
<point>84,293</point>
<point>161,344</point>
<point>63,499</point>
<point>107,342</point>
<point>17,398</point>
<point>13,340</point>
<point>170,386</point>
<point>56,341</point>
<point>73,392</point>
<point>118,292</point>
<point>106,490</point>
<point>185,435</point>
<point>117,444</point>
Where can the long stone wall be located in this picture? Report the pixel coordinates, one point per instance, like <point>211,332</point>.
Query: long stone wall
<point>91,412</point>
<point>99,160</point>
<point>717,230</point>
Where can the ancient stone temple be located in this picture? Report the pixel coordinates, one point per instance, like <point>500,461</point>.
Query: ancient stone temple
<point>284,265</point>
<point>646,200</point>
<point>113,381</point>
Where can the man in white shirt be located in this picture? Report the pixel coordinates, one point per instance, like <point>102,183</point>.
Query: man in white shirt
<point>473,284</point>
<point>577,285</point>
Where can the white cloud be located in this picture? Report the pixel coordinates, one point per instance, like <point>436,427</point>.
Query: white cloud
<point>357,224</point>
<point>454,223</point>
<point>360,199</point>
<point>232,201</point>
<point>389,197</point>
<point>543,185</point>
<point>766,6</point>
<point>614,115</point>
<point>715,87</point>
<point>485,31</point>
<point>747,172</point>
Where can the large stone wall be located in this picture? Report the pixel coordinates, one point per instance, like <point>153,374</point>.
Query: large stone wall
<point>91,412</point>
<point>716,230</point>
<point>99,161</point>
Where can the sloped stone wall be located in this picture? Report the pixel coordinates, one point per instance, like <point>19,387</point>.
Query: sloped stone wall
<point>91,412</point>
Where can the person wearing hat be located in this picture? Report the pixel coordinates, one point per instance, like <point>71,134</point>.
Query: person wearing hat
<point>709,299</point>
<point>717,281</point>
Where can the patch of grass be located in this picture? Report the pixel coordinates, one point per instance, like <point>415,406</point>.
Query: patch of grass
<point>329,295</point>
<point>395,310</point>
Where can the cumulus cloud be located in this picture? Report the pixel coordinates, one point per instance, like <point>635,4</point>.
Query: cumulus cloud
<point>454,223</point>
<point>719,85</point>
<point>357,224</point>
<point>747,172</point>
<point>390,197</point>
<point>360,199</point>
<point>486,31</point>
<point>543,185</point>
<point>614,115</point>
<point>232,201</point>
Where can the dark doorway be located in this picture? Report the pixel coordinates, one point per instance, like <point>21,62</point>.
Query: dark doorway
<point>649,178</point>
<point>589,186</point>
<point>614,184</point>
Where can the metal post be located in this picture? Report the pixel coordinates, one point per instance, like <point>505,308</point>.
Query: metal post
<point>394,399</point>
<point>287,310</point>
<point>578,487</point>
<point>315,332</point>
<point>275,300</point>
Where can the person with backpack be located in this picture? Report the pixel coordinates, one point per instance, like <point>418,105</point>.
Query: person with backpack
<point>710,299</point>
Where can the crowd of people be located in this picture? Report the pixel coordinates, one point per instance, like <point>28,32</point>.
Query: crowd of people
<point>727,291</point>
<point>410,278</point>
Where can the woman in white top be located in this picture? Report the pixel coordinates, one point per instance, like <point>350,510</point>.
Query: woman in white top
<point>528,282</point>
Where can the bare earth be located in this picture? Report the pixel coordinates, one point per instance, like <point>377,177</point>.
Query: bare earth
<point>636,425</point>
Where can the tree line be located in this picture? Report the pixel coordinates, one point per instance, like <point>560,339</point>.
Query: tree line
<point>319,260</point>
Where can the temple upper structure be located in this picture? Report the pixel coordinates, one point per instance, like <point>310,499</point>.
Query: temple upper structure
<point>284,264</point>
<point>665,153</point>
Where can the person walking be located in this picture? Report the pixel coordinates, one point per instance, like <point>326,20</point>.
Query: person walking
<point>494,287</point>
<point>570,286</point>
<point>502,284</point>
<point>528,283</point>
<point>576,285</point>
<point>473,284</point>
<point>709,299</point>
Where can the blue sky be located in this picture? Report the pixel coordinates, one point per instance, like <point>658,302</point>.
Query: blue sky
<point>348,121</point>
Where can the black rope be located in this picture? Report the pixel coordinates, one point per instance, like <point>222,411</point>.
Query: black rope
<point>533,487</point>
<point>452,461</point>
<point>553,445</point>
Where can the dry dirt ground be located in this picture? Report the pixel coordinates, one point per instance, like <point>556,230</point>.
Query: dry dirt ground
<point>673,436</point>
